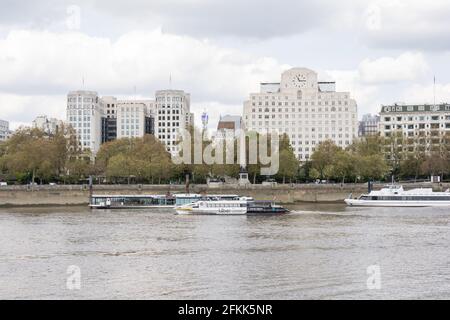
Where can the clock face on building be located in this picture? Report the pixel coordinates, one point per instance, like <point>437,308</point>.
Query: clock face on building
<point>299,81</point>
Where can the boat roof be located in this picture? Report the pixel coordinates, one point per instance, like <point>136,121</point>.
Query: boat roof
<point>131,196</point>
<point>180,195</point>
<point>395,189</point>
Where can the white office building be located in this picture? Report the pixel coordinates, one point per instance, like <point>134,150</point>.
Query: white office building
<point>4,130</point>
<point>172,114</point>
<point>84,114</point>
<point>49,125</point>
<point>134,119</point>
<point>307,110</point>
<point>422,127</point>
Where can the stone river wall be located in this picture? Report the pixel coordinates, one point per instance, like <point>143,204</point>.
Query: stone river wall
<point>289,193</point>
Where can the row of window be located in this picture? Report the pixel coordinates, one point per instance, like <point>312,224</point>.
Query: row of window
<point>278,97</point>
<point>81,124</point>
<point>418,126</point>
<point>79,119</point>
<point>131,133</point>
<point>168,124</point>
<point>168,111</point>
<point>132,127</point>
<point>128,120</point>
<point>287,116</point>
<point>81,112</point>
<point>81,99</point>
<point>169,99</point>
<point>164,130</point>
<point>406,198</point>
<point>419,118</point>
<point>299,124</point>
<point>168,106</point>
<point>163,118</point>
<point>78,106</point>
<point>299,103</point>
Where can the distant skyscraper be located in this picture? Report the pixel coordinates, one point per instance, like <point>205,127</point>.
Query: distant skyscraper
<point>172,114</point>
<point>4,130</point>
<point>369,125</point>
<point>84,114</point>
<point>307,110</point>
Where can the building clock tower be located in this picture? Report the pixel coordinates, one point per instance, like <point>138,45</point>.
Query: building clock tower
<point>299,78</point>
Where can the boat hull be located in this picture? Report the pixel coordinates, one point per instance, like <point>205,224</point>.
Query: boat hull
<point>211,212</point>
<point>398,203</point>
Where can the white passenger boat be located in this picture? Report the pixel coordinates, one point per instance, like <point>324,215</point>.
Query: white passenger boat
<point>396,196</point>
<point>219,207</point>
<point>241,206</point>
<point>152,201</point>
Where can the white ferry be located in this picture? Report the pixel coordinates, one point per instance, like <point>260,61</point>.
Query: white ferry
<point>396,196</point>
<point>241,206</point>
<point>223,207</point>
<point>151,201</point>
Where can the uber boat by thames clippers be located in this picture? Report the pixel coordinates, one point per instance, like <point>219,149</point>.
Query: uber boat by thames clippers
<point>396,196</point>
<point>241,206</point>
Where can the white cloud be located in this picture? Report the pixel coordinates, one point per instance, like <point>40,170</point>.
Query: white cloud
<point>35,63</point>
<point>22,109</point>
<point>425,93</point>
<point>33,59</point>
<point>408,24</point>
<point>366,95</point>
<point>214,110</point>
<point>408,66</point>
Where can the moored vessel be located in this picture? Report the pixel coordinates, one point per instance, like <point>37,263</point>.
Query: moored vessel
<point>151,201</point>
<point>396,196</point>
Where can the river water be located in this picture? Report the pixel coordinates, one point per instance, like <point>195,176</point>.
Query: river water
<point>316,252</point>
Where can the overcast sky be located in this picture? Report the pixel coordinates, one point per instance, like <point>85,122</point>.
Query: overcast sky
<point>219,51</point>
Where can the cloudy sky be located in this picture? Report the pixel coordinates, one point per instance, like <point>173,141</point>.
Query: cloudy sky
<point>218,50</point>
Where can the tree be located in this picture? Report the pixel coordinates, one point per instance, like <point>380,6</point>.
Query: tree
<point>344,165</point>
<point>144,158</point>
<point>371,167</point>
<point>314,174</point>
<point>34,153</point>
<point>434,165</point>
<point>324,156</point>
<point>289,165</point>
<point>411,165</point>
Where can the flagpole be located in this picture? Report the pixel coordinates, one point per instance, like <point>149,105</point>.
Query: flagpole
<point>434,91</point>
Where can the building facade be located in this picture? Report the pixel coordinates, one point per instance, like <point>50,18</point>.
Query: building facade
<point>133,119</point>
<point>49,125</point>
<point>172,114</point>
<point>307,110</point>
<point>416,127</point>
<point>84,114</point>
<point>4,130</point>
<point>369,125</point>
<point>230,125</point>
